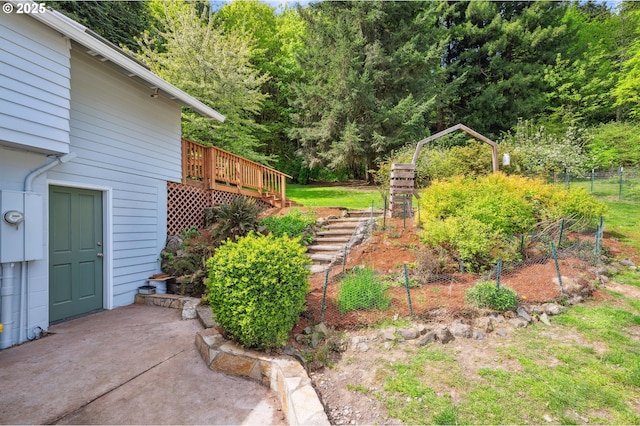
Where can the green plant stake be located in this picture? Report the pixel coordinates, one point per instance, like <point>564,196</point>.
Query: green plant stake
<point>597,243</point>
<point>384,215</point>
<point>324,294</point>
<point>620,190</point>
<point>555,259</point>
<point>406,283</point>
<point>498,273</point>
<point>344,260</point>
<point>522,245</point>
<point>561,231</point>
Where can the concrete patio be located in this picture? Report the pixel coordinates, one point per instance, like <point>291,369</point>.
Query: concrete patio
<point>133,365</point>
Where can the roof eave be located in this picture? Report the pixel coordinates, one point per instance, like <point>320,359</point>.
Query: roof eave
<point>78,33</point>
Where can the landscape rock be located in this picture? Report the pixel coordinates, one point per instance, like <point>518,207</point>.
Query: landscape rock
<point>189,310</point>
<point>522,313</point>
<point>337,344</point>
<point>478,335</point>
<point>444,335</point>
<point>497,318</point>
<point>408,333</point>
<point>361,347</point>
<point>627,262</point>
<point>485,324</point>
<point>316,338</point>
<point>357,339</point>
<point>174,243</point>
<point>544,319</point>
<point>535,310</point>
<point>460,329</point>
<point>552,309</point>
<point>429,337</point>
<point>575,300</point>
<point>501,333</point>
<point>519,322</point>
<point>322,328</point>
<point>604,280</point>
<point>388,334</point>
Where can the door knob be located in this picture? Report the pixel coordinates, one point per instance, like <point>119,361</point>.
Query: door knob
<point>100,255</point>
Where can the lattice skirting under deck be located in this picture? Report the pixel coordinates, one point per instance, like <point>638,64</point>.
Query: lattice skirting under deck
<point>186,204</point>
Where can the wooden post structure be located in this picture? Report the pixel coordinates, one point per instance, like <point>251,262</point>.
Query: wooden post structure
<point>401,189</point>
<point>403,175</point>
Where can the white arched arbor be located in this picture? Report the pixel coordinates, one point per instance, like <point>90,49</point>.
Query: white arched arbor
<point>402,185</point>
<point>494,146</point>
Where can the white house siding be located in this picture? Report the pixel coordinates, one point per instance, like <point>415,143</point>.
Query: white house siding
<point>34,85</point>
<point>127,142</point>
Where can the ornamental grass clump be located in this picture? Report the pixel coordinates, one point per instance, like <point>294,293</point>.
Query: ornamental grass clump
<point>257,288</point>
<point>488,295</point>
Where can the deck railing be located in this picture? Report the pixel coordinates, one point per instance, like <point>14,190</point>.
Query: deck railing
<point>215,168</point>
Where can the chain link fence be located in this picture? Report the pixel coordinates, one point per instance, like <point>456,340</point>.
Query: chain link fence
<point>435,284</point>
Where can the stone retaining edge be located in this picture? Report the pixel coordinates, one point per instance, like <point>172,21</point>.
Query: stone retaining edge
<point>165,300</point>
<point>285,376</point>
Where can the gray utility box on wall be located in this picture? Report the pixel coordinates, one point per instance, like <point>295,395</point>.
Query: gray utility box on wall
<point>21,226</point>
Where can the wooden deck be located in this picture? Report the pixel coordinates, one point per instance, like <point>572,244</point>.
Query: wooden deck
<point>216,169</point>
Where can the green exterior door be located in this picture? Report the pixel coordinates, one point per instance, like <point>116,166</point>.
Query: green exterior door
<point>75,252</point>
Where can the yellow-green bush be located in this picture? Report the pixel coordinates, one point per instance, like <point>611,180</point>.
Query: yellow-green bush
<point>475,218</point>
<point>257,288</point>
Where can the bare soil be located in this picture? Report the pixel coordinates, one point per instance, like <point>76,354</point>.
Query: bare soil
<point>348,387</point>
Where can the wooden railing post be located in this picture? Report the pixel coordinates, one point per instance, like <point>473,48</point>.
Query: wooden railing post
<point>283,189</point>
<point>185,161</point>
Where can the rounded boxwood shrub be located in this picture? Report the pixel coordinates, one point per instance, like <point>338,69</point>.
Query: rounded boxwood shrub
<point>488,295</point>
<point>257,288</point>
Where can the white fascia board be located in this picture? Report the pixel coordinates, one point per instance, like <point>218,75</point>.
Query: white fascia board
<point>77,32</point>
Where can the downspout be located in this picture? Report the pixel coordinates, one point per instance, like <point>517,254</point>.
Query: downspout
<point>28,187</point>
<point>7,288</point>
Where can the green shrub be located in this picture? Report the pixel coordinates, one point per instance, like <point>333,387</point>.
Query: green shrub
<point>362,290</point>
<point>475,219</point>
<point>293,224</point>
<point>488,295</point>
<point>257,287</point>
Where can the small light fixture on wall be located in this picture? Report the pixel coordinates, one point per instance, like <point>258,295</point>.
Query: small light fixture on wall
<point>155,92</point>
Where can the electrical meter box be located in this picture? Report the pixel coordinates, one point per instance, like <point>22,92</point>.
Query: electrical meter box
<point>21,226</point>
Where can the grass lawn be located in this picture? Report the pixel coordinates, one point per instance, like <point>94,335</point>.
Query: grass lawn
<point>335,196</point>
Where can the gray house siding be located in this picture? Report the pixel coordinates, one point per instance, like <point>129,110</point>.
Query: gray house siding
<point>34,85</point>
<point>76,95</point>
<point>127,142</point>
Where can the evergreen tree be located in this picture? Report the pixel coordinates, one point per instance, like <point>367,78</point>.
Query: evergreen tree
<point>497,55</point>
<point>367,83</point>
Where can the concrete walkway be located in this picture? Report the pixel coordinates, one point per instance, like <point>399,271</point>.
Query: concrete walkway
<point>133,365</point>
